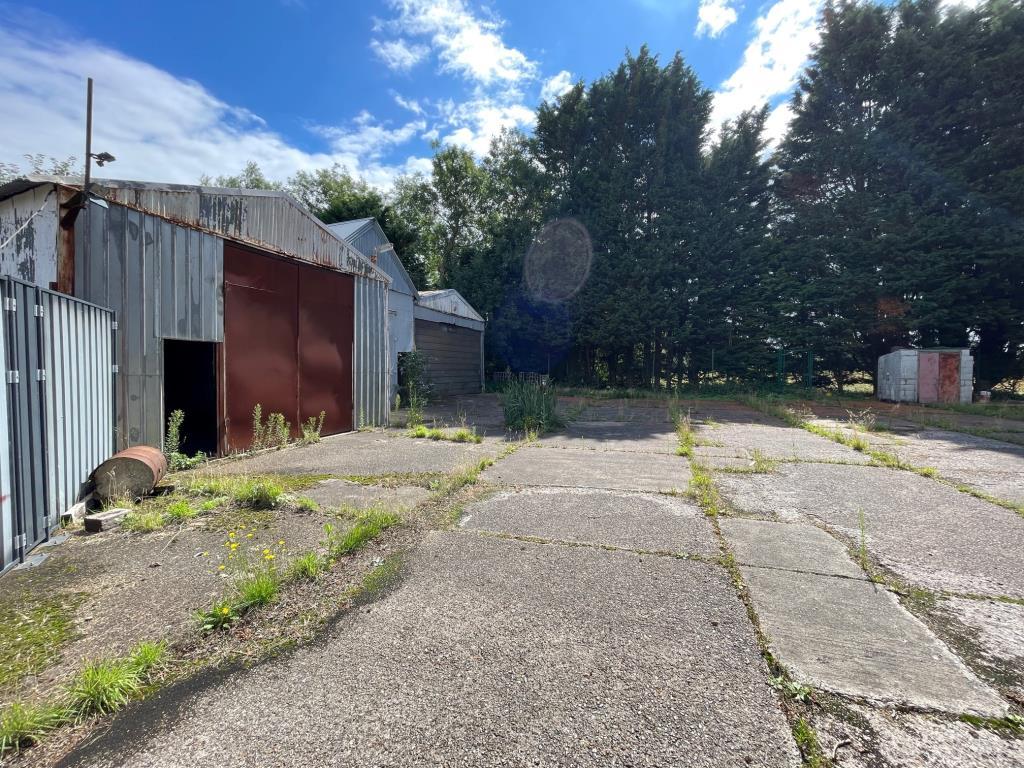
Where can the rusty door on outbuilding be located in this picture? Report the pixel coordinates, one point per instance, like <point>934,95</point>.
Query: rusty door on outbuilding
<point>927,377</point>
<point>287,343</point>
<point>326,315</point>
<point>949,377</point>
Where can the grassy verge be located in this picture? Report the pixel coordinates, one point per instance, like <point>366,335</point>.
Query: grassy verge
<point>31,635</point>
<point>100,688</point>
<point>195,494</point>
<point>530,408</point>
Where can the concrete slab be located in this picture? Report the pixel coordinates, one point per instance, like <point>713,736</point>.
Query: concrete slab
<point>576,468</point>
<point>928,533</point>
<point>871,738</point>
<point>495,653</point>
<point>852,637</point>
<point>640,521</point>
<point>777,441</point>
<point>996,630</point>
<point>367,453</point>
<point>788,546</point>
<point>643,437</point>
<point>336,493</point>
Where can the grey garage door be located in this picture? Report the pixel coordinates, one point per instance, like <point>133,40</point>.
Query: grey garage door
<point>454,362</point>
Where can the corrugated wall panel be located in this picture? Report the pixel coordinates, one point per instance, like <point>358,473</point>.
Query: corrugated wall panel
<point>370,359</point>
<point>163,281</point>
<point>7,528</point>
<point>77,340</point>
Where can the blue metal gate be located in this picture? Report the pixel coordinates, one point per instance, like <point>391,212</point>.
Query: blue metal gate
<point>57,419</point>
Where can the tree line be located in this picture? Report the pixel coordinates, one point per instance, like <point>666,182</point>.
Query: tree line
<point>891,213</point>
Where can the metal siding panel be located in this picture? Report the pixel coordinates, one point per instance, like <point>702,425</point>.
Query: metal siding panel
<point>181,299</point>
<point>79,391</point>
<point>7,527</point>
<point>165,280</point>
<point>325,332</point>
<point>195,285</point>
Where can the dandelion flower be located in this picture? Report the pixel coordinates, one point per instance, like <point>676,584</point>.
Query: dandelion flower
<point>225,611</point>
<point>248,535</point>
<point>231,534</point>
<point>221,567</point>
<point>234,545</point>
<point>268,557</point>
<point>281,543</point>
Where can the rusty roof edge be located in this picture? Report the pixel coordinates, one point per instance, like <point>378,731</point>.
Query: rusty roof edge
<point>367,267</point>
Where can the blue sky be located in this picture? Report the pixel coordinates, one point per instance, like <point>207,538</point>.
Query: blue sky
<point>188,88</point>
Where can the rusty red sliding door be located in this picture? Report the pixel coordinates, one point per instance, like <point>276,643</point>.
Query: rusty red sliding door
<point>260,336</point>
<point>326,323</point>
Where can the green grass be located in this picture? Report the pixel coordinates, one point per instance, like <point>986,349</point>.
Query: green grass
<point>307,567</point>
<point>99,688</point>
<point>258,493</point>
<point>368,525</point>
<point>384,575</point>
<point>395,479</point>
<point>530,408</point>
<point>684,432</point>
<point>143,521</point>
<point>180,511</point>
<point>102,687</point>
<point>810,748</point>
<point>25,725</point>
<point>258,588</point>
<point>703,490</point>
<point>307,504</point>
<point>460,435</point>
<point>32,633</point>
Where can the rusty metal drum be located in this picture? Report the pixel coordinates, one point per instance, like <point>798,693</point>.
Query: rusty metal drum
<point>132,472</point>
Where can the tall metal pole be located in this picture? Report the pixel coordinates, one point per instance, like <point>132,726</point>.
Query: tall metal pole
<point>88,164</point>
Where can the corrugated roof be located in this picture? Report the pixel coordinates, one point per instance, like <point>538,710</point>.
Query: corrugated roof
<point>268,219</point>
<point>368,237</point>
<point>449,301</point>
<point>347,229</point>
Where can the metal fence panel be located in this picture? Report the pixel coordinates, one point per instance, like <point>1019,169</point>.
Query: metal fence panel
<point>79,394</point>
<point>57,420</point>
<point>25,399</point>
<point>8,530</point>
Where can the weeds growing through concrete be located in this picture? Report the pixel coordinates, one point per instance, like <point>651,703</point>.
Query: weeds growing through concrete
<point>368,525</point>
<point>460,435</point>
<point>312,427</point>
<point>862,542</point>
<point>704,491</point>
<point>530,407</point>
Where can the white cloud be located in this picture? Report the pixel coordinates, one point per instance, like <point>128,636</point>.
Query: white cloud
<point>556,86</point>
<point>466,44</point>
<point>777,124</point>
<point>474,123</point>
<point>410,104</point>
<point>713,17</point>
<point>399,55</point>
<point>161,127</point>
<point>772,61</point>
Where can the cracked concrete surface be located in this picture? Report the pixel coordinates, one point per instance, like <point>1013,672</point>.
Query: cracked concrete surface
<point>556,626</point>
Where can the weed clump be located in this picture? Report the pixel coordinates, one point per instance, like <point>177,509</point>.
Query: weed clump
<point>530,407</point>
<point>312,428</point>
<point>25,725</point>
<point>258,493</point>
<point>368,525</point>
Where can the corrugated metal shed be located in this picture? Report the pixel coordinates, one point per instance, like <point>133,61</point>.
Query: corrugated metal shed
<point>900,372</point>
<point>449,301</point>
<point>155,256</point>
<point>164,281</point>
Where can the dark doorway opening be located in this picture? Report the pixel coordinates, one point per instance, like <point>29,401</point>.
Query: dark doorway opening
<point>190,385</point>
